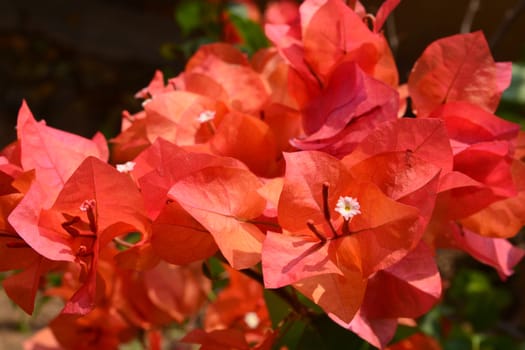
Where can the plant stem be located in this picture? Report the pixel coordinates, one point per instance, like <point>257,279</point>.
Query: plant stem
<point>509,18</point>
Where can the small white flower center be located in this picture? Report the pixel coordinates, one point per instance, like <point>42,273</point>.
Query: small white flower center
<point>206,116</point>
<point>252,320</point>
<point>145,102</point>
<point>126,167</point>
<point>348,207</point>
<point>88,204</point>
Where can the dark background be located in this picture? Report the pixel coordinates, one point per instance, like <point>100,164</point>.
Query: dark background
<point>78,63</point>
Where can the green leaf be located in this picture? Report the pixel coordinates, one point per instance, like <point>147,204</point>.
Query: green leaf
<point>189,15</point>
<point>512,106</point>
<point>497,343</point>
<point>290,334</point>
<point>323,333</point>
<point>403,332</point>
<point>251,32</point>
<point>458,339</point>
<point>477,299</point>
<point>516,91</point>
<point>277,307</point>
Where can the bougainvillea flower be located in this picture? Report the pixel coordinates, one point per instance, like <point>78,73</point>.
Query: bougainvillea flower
<point>131,141</point>
<point>329,112</point>
<point>328,33</point>
<point>350,217</point>
<point>224,200</point>
<point>281,12</point>
<point>250,140</point>
<point>160,166</point>
<point>338,117</point>
<point>96,204</point>
<point>345,93</point>
<point>285,123</point>
<point>180,239</point>
<point>103,328</point>
<point>405,159</point>
<point>225,339</point>
<point>240,306</point>
<point>22,287</point>
<point>15,254</point>
<point>318,254</point>
<point>484,172</point>
<point>187,119</point>
<point>416,341</point>
<point>383,12</point>
<point>174,116</point>
<point>407,289</point>
<point>274,72</point>
<point>217,340</point>
<point>495,252</point>
<point>161,295</point>
<point>114,319</point>
<point>180,291</point>
<point>348,37</point>
<point>503,218</point>
<point>155,87</point>
<point>53,153</point>
<point>483,147</point>
<point>229,69</point>
<point>49,157</point>
<point>468,124</point>
<point>458,68</point>
<point>333,76</point>
<point>425,139</point>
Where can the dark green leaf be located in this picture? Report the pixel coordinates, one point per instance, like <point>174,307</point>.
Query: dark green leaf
<point>277,307</point>
<point>251,33</point>
<point>323,333</point>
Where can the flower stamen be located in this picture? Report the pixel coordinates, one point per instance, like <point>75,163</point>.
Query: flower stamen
<point>88,206</point>
<point>207,117</point>
<point>125,167</point>
<point>311,226</point>
<point>326,209</point>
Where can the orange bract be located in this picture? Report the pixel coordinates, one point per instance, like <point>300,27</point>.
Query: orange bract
<point>458,68</point>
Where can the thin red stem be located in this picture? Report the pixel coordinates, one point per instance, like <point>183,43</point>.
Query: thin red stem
<point>326,209</point>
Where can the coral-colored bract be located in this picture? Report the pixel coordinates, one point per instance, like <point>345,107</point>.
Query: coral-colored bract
<point>291,171</point>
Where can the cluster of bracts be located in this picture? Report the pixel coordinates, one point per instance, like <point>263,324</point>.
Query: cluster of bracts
<point>297,167</point>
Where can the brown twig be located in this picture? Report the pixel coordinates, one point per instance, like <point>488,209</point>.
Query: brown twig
<point>511,15</point>
<point>391,33</point>
<point>468,19</point>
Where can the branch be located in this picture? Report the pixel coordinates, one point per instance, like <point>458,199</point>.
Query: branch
<point>509,18</point>
<point>391,33</point>
<point>472,9</point>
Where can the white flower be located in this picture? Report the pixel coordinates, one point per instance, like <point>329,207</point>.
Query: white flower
<point>206,116</point>
<point>145,102</point>
<point>348,207</point>
<point>126,167</point>
<point>88,204</point>
<point>252,320</point>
